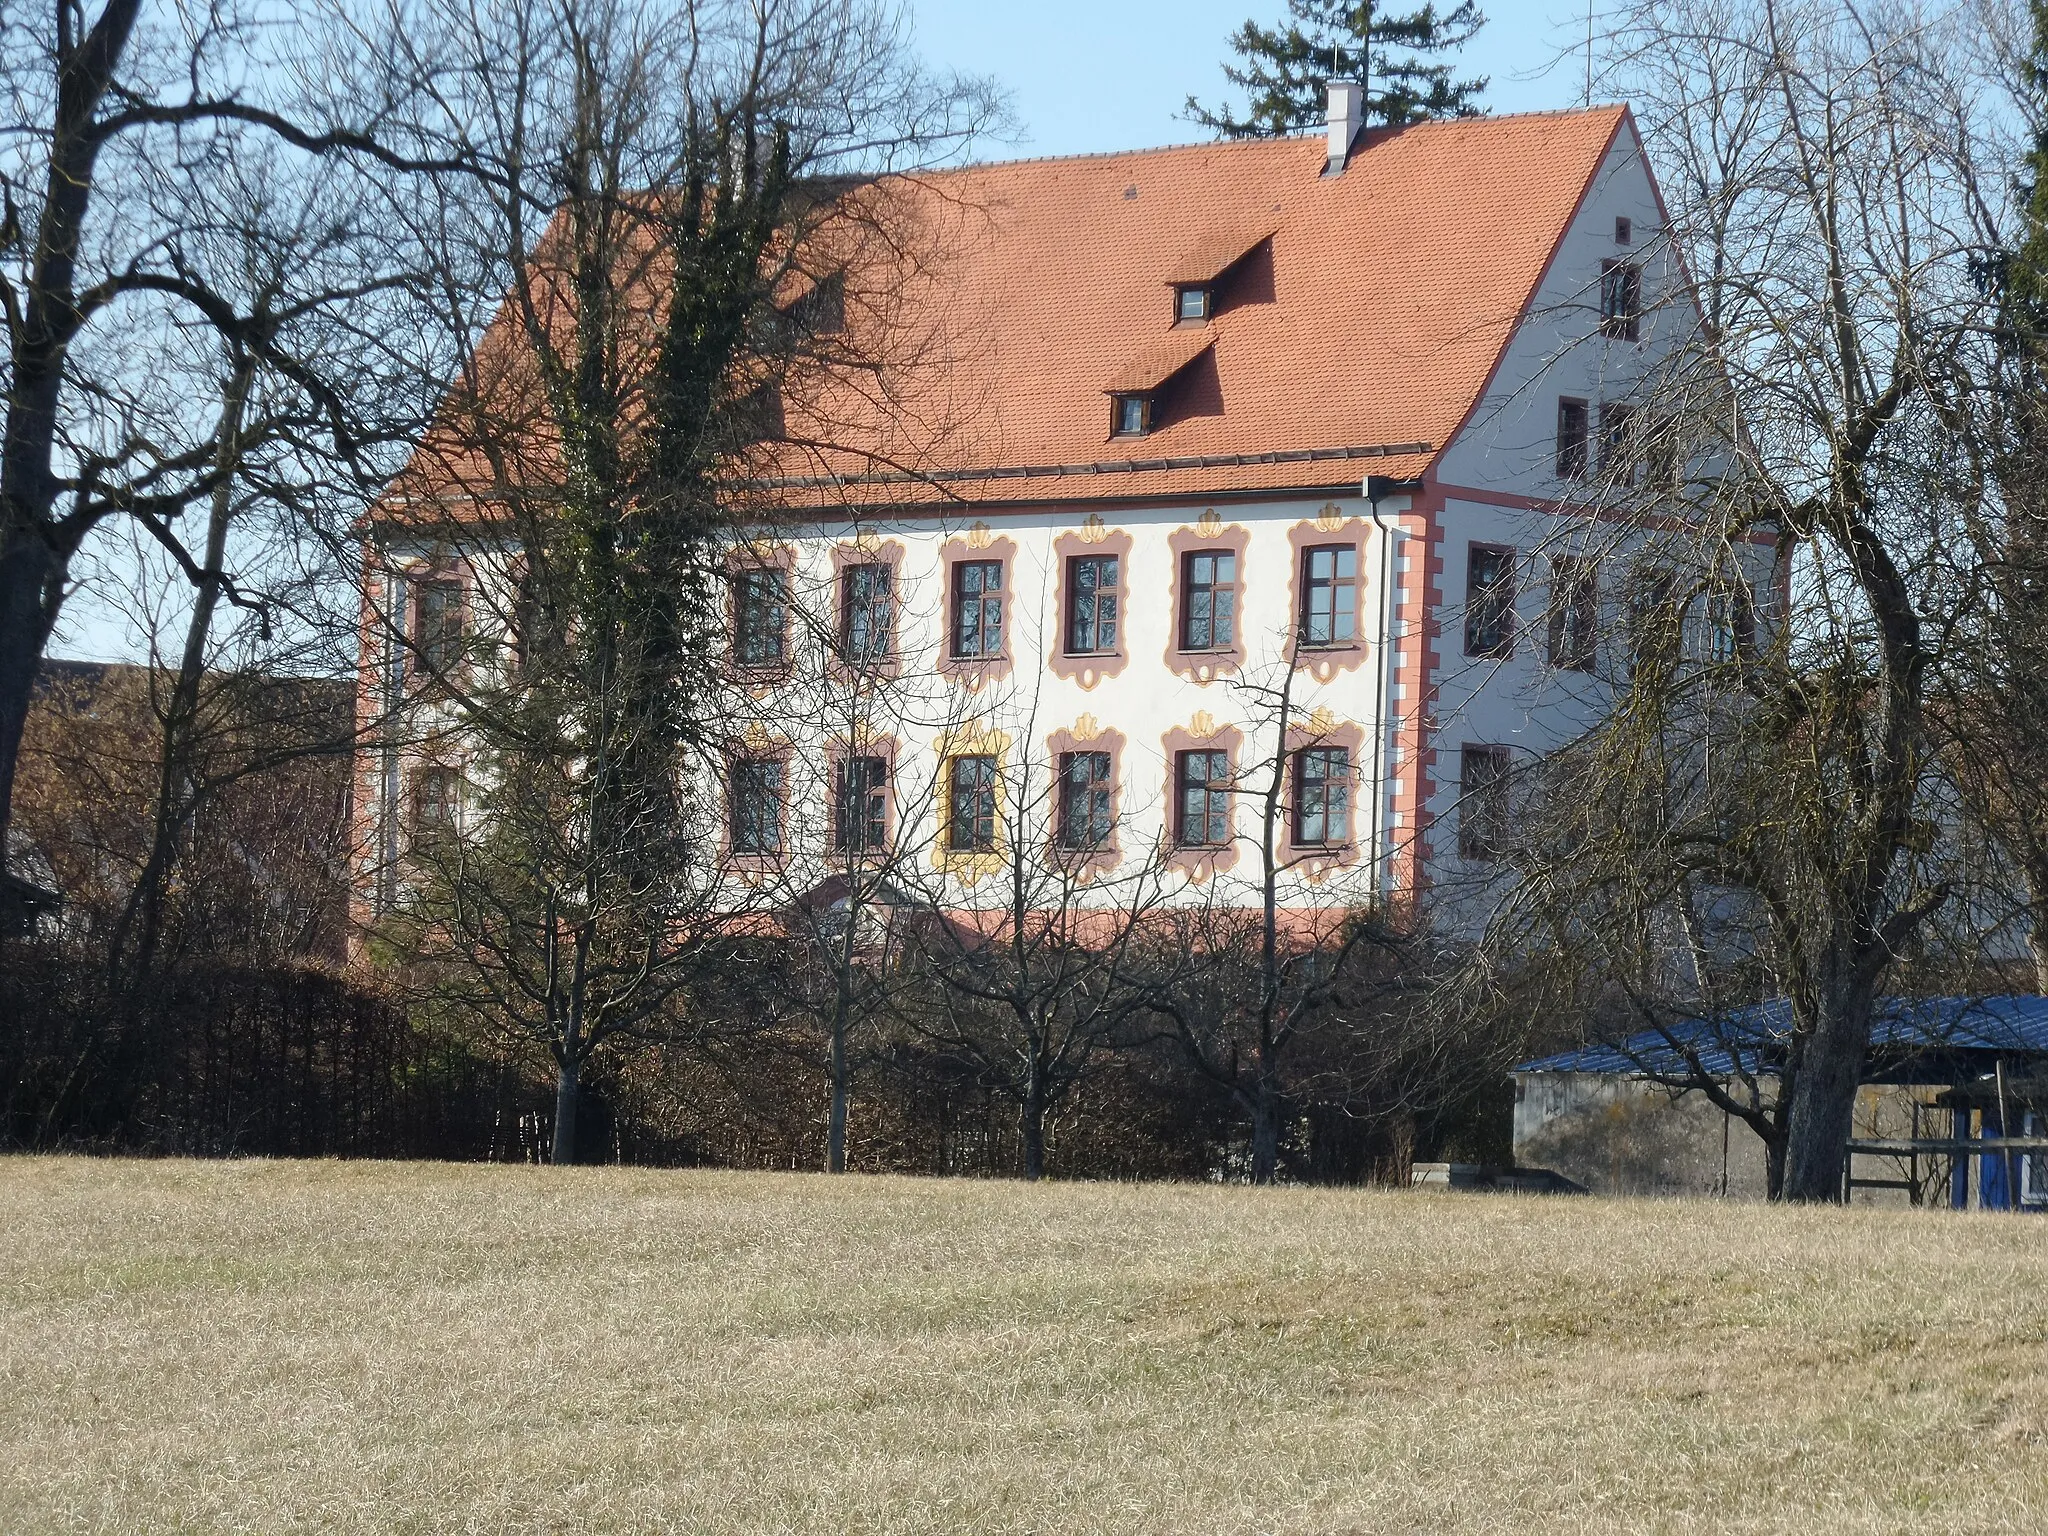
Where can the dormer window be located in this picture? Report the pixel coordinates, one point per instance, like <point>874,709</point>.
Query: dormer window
<point>1192,302</point>
<point>1133,415</point>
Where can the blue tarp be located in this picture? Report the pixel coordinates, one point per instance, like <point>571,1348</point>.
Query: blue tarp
<point>2015,1024</point>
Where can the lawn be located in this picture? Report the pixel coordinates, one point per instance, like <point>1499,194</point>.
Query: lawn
<point>386,1347</point>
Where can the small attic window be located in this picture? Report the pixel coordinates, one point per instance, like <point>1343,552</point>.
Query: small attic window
<point>1624,231</point>
<point>1192,301</point>
<point>1132,415</point>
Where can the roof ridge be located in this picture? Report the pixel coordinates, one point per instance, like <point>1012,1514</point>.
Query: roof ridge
<point>1302,134</point>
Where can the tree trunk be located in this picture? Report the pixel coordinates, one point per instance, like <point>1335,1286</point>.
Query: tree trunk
<point>31,585</point>
<point>1265,1135</point>
<point>567,1090</point>
<point>1824,1096</point>
<point>1031,1121</point>
<point>842,1091</point>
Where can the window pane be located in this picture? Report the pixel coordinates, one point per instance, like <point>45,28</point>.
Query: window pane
<point>973,795</point>
<point>868,608</point>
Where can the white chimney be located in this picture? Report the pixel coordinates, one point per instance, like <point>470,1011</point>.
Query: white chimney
<point>1347,116</point>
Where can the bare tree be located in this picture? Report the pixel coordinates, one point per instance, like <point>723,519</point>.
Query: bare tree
<point>125,234</point>
<point>1041,952</point>
<point>1759,810</point>
<point>650,187</point>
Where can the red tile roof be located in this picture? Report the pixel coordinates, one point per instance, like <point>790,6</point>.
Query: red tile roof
<point>1368,325</point>
<point>1355,339</point>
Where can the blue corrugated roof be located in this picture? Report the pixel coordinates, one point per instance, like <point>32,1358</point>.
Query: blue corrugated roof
<point>2015,1022</point>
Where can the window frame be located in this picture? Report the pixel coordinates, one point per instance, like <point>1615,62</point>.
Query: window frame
<point>1496,599</point>
<point>1217,797</point>
<point>1121,404</point>
<point>1099,790</point>
<point>1619,436</point>
<point>440,653</point>
<point>1334,584</point>
<point>851,574</point>
<point>738,771</point>
<point>1112,592</point>
<point>1205,301</point>
<point>873,818</point>
<point>984,604</point>
<point>425,831</point>
<point>1322,786</point>
<point>982,833</point>
<point>1621,299</point>
<point>1574,429</point>
<point>745,603</point>
<point>1184,621</point>
<point>1574,613</point>
<point>1483,801</point>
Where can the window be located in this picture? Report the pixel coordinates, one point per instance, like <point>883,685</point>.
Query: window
<point>436,804</point>
<point>1655,621</point>
<point>1489,600</point>
<point>1571,439</point>
<point>1322,796</point>
<point>860,804</point>
<point>1731,625</point>
<point>1191,303</point>
<point>1091,604</point>
<point>1208,618</point>
<point>1482,802</point>
<point>1133,416</point>
<point>867,611</point>
<point>1084,800</point>
<point>1329,595</point>
<point>1621,300</point>
<point>1202,799</point>
<point>1662,458</point>
<point>1574,613</point>
<point>437,624</point>
<point>971,803</point>
<point>1620,452</point>
<point>977,608</point>
<point>1624,231</point>
<point>754,803</point>
<point>822,311</point>
<point>760,617</point>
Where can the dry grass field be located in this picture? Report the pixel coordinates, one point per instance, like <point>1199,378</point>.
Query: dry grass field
<point>275,1347</point>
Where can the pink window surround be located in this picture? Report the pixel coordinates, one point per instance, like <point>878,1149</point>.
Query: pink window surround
<point>1086,862</point>
<point>1090,667</point>
<point>1200,861</point>
<point>845,556</point>
<point>837,751</point>
<point>1320,859</point>
<point>975,671</point>
<point>1324,662</point>
<point>739,564</point>
<point>757,862</point>
<point>1216,661</point>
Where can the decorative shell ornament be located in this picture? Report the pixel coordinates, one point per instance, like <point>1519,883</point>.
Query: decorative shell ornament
<point>1204,724</point>
<point>1209,525</point>
<point>1329,519</point>
<point>1321,721</point>
<point>978,536</point>
<point>1087,728</point>
<point>1094,530</point>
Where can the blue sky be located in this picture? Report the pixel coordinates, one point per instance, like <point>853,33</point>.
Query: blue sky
<point>1092,75</point>
<point>1101,75</point>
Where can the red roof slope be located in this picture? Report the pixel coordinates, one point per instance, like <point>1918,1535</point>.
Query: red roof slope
<point>1371,320</point>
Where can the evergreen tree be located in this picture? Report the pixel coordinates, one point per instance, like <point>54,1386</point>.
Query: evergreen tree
<point>1285,70</point>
